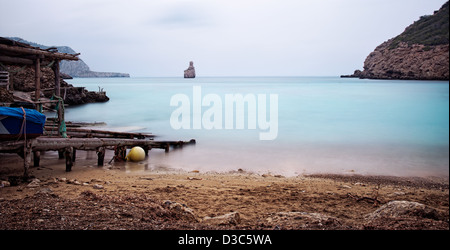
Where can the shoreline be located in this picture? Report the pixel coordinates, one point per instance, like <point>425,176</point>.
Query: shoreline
<point>111,198</point>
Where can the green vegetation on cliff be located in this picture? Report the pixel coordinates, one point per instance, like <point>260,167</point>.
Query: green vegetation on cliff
<point>428,30</point>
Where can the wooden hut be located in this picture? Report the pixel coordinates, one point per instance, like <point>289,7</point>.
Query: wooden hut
<point>17,53</point>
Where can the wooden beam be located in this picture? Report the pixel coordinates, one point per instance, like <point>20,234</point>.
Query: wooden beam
<point>57,78</point>
<point>91,135</point>
<point>37,79</point>
<point>16,60</point>
<point>69,157</point>
<point>53,122</point>
<point>84,143</point>
<point>37,51</point>
<point>36,158</point>
<point>27,156</point>
<point>50,143</point>
<point>99,133</point>
<point>101,156</point>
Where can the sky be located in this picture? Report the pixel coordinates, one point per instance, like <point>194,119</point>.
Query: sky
<point>157,38</point>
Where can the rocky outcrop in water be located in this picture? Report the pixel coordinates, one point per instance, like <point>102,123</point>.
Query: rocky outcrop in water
<point>190,72</point>
<point>421,52</point>
<point>408,62</point>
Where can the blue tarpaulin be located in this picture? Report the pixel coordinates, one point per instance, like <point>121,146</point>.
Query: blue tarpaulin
<point>31,114</point>
<point>12,122</point>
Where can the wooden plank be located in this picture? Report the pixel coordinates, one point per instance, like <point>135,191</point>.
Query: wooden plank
<point>50,143</point>
<point>101,156</point>
<point>53,120</point>
<point>27,156</point>
<point>112,133</point>
<point>10,146</point>
<point>16,60</point>
<point>57,78</point>
<point>36,158</point>
<point>69,158</point>
<point>99,135</point>
<point>74,125</point>
<point>52,128</point>
<point>37,79</point>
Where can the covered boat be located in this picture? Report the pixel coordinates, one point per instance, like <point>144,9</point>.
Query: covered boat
<point>16,123</point>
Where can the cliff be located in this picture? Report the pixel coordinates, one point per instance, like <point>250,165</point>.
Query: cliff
<point>421,52</point>
<point>73,68</point>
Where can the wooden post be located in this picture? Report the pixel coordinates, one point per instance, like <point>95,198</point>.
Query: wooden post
<point>69,163</point>
<point>60,116</point>
<point>37,78</point>
<point>74,154</point>
<point>61,154</point>
<point>120,153</point>
<point>57,78</point>
<point>56,72</point>
<point>11,82</point>
<point>27,157</point>
<point>101,156</point>
<point>146,149</point>
<point>36,158</point>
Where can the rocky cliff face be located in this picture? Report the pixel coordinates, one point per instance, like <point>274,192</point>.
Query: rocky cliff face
<point>409,62</point>
<point>421,52</point>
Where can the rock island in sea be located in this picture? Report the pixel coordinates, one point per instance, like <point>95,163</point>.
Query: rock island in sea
<point>190,72</point>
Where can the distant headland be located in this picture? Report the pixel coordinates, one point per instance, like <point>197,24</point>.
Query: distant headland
<point>421,52</point>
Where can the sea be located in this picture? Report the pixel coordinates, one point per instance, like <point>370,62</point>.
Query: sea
<point>323,124</point>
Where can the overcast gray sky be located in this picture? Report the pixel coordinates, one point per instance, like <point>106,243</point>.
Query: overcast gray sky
<point>222,37</point>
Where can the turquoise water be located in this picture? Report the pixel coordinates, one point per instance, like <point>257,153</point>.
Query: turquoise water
<point>325,124</point>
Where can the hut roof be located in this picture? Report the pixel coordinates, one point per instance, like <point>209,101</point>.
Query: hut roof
<point>13,52</point>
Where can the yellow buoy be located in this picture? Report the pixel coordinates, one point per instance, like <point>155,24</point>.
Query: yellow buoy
<point>136,154</point>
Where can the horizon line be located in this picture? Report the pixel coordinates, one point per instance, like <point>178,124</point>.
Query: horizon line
<point>248,76</point>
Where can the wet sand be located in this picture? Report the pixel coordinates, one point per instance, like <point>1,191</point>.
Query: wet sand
<point>112,197</point>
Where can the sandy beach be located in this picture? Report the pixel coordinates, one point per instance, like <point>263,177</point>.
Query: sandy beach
<point>113,197</point>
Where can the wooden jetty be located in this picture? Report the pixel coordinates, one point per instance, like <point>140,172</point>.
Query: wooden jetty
<point>82,136</point>
<point>68,147</point>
